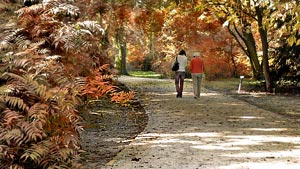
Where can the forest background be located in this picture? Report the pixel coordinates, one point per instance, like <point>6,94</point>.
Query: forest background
<point>57,53</point>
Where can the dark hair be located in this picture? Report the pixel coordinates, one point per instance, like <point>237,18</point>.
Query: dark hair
<point>182,52</point>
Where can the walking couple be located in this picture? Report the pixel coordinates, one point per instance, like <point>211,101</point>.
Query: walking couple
<point>196,69</point>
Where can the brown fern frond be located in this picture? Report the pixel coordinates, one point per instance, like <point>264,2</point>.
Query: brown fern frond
<point>38,43</point>
<point>11,118</point>
<point>16,102</point>
<point>34,9</point>
<point>65,9</point>
<point>16,166</point>
<point>60,36</point>
<point>79,81</point>
<point>16,39</point>
<point>43,51</point>
<point>105,70</point>
<point>61,80</point>
<point>21,63</point>
<point>34,87</point>
<point>32,131</point>
<point>26,84</point>
<point>11,37</point>
<point>90,27</point>
<point>8,76</point>
<point>9,41</point>
<point>35,152</point>
<point>5,45</point>
<point>53,57</point>
<point>10,136</point>
<point>122,97</point>
<point>5,60</point>
<point>22,42</point>
<point>2,105</point>
<point>49,4</point>
<point>66,153</point>
<point>5,90</point>
<point>77,36</point>
<point>27,20</point>
<point>38,112</point>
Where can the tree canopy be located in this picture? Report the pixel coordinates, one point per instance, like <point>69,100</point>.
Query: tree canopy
<point>62,53</point>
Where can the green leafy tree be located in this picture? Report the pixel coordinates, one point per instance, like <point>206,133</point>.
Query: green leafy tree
<point>285,43</point>
<point>243,18</point>
<point>259,26</point>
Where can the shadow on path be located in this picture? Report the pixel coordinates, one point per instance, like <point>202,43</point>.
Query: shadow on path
<point>213,132</point>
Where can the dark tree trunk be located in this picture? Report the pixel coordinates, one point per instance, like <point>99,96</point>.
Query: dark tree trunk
<point>265,47</point>
<point>123,59</point>
<point>122,46</point>
<point>247,43</point>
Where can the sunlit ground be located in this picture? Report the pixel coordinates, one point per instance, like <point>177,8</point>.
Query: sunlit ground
<point>217,131</point>
<point>234,147</point>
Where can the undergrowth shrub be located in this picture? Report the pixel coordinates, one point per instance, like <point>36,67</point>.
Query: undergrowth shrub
<point>43,78</point>
<point>99,85</point>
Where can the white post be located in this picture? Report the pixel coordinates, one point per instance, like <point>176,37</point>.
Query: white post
<point>240,85</point>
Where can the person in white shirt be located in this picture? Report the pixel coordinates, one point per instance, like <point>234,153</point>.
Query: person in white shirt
<point>180,73</point>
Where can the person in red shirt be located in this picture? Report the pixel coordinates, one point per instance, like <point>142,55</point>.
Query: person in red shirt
<point>197,71</point>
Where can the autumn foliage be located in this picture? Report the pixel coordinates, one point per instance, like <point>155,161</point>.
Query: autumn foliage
<point>157,35</point>
<point>51,62</point>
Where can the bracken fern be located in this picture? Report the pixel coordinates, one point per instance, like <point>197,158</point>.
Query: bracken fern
<point>51,61</point>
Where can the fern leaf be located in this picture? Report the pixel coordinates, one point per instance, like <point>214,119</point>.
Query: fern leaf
<point>8,75</point>
<point>16,102</point>
<point>64,8</point>
<point>66,153</point>
<point>21,63</point>
<point>5,90</point>
<point>79,81</point>
<point>11,135</point>
<point>11,38</point>
<point>22,42</point>
<point>31,131</point>
<point>43,51</point>
<point>33,86</point>
<point>38,112</point>
<point>41,90</point>
<point>91,27</point>
<point>4,45</point>
<point>11,117</point>
<point>53,57</point>
<point>35,152</point>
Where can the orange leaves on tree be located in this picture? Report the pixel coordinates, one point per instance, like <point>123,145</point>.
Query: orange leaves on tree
<point>122,13</point>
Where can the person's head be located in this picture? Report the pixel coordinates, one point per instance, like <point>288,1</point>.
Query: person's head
<point>182,52</point>
<point>196,54</point>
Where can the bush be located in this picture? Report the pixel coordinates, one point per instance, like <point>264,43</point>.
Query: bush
<point>39,92</point>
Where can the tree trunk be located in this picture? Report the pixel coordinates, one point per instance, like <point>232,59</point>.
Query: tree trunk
<point>251,48</point>
<point>265,47</point>
<point>247,43</point>
<point>234,72</point>
<point>122,46</point>
<point>123,58</point>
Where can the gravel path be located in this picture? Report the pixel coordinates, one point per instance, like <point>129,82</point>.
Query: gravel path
<point>214,132</point>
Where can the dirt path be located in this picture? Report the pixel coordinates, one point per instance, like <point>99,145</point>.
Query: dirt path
<point>214,132</point>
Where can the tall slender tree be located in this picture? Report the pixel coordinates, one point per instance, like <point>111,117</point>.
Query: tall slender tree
<point>243,17</point>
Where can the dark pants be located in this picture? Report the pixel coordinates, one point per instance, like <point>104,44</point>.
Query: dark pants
<point>179,81</point>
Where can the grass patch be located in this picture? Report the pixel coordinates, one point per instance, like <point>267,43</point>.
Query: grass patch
<point>233,84</point>
<point>147,74</point>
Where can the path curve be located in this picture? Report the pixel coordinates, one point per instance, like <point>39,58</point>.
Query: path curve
<point>213,132</point>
